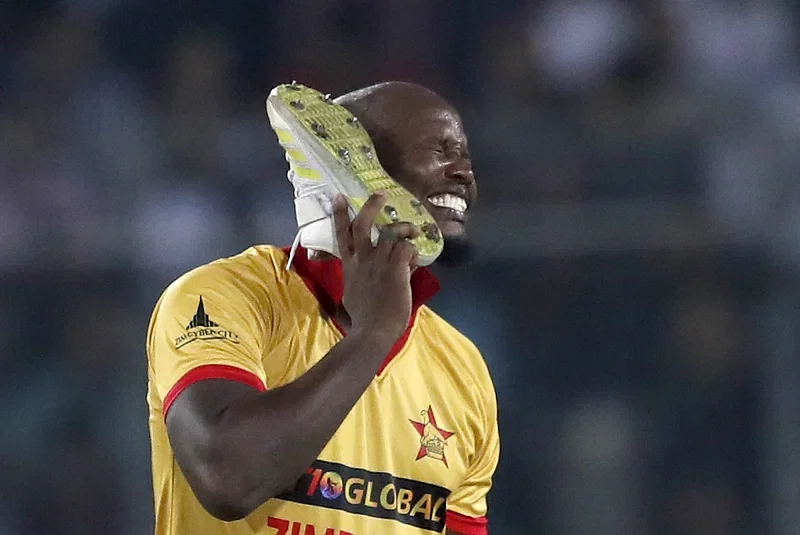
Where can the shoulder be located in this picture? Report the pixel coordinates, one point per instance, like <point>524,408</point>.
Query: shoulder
<point>451,338</point>
<point>250,273</point>
<point>242,288</point>
<point>458,354</point>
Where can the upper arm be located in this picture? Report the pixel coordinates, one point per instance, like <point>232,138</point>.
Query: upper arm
<point>205,344</point>
<point>196,438</point>
<point>467,504</point>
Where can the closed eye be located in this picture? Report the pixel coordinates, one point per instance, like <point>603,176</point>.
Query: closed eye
<point>456,148</point>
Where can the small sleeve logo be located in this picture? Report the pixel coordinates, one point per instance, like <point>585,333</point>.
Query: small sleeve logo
<point>203,328</point>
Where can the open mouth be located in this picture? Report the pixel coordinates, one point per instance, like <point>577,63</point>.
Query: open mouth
<point>450,201</point>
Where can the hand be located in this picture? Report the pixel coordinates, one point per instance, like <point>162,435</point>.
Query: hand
<point>377,279</point>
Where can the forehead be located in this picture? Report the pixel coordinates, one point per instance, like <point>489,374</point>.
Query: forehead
<point>439,121</point>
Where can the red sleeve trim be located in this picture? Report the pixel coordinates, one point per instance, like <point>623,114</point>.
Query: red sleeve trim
<point>211,371</point>
<point>467,525</point>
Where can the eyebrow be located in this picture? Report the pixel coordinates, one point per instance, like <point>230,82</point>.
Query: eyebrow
<point>461,145</point>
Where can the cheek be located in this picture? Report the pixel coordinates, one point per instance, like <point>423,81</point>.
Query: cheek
<point>422,173</point>
<point>417,172</point>
<point>415,181</point>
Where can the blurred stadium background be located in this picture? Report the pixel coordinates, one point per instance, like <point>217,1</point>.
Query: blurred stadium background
<point>637,291</point>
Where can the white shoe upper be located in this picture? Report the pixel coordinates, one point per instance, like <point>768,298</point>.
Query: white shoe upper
<point>313,195</point>
<point>313,204</point>
<point>313,198</point>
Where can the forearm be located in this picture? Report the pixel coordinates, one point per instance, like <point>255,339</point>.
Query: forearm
<point>265,442</point>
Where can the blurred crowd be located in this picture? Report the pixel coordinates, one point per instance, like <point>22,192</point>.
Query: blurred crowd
<point>134,146</point>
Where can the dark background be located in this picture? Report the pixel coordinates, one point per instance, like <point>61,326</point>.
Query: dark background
<point>636,293</point>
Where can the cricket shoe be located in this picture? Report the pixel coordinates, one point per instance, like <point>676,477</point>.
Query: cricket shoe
<point>330,152</point>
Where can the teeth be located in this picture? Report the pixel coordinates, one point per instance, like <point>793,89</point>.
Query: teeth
<point>448,200</point>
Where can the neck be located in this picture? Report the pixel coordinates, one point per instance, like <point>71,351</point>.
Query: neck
<point>341,315</point>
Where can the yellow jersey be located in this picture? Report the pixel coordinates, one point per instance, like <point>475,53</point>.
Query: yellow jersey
<point>416,453</point>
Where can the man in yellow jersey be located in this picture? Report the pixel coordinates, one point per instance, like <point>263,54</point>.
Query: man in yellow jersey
<point>326,398</point>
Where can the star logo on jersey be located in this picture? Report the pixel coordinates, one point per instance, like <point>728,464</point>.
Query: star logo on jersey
<point>201,327</point>
<point>432,438</point>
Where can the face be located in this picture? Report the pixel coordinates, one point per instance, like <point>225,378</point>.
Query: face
<point>428,155</point>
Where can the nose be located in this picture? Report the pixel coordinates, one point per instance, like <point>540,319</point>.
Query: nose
<point>461,170</point>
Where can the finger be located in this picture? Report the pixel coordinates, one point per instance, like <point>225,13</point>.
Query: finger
<point>341,221</point>
<point>386,241</point>
<point>403,230</point>
<point>362,224</point>
<point>393,233</point>
<point>414,260</point>
<point>404,253</point>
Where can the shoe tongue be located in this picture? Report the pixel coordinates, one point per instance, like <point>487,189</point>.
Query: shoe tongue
<point>320,236</point>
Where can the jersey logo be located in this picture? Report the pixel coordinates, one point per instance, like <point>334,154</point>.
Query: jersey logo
<point>432,438</point>
<point>375,494</point>
<point>202,328</point>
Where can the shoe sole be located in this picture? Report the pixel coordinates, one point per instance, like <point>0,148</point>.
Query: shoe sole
<point>314,132</point>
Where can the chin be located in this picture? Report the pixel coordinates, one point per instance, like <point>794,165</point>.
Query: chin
<point>458,251</point>
<point>452,229</point>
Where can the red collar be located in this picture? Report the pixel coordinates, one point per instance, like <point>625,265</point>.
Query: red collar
<point>325,280</point>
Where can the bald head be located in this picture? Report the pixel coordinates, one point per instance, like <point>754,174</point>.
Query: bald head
<point>381,108</point>
<point>420,142</point>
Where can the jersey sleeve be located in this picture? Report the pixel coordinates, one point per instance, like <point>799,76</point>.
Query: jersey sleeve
<point>466,506</point>
<point>206,325</point>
